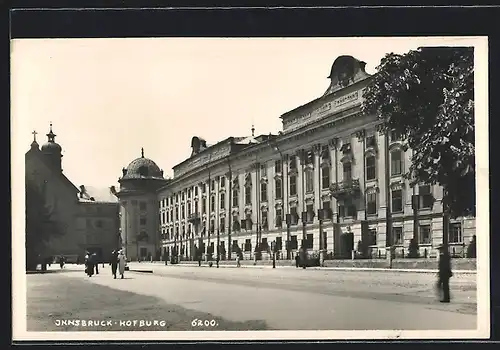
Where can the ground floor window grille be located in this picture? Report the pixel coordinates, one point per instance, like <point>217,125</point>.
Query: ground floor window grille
<point>455,233</point>
<point>279,243</point>
<point>248,245</point>
<point>397,233</point>
<point>425,234</point>
<point>372,236</point>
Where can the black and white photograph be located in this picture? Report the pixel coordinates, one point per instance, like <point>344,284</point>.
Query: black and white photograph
<point>250,188</point>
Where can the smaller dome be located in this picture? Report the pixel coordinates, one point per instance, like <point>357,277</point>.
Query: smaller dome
<point>141,168</point>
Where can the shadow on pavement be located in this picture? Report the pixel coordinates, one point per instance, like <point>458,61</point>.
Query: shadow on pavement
<point>53,304</point>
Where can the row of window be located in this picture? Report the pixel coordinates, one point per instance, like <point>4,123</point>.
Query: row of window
<point>346,209</point>
<point>424,237</point>
<point>396,169</point>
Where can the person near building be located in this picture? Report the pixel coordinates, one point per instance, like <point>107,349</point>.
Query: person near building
<point>444,275</point>
<point>122,260</point>
<point>95,261</point>
<point>62,261</point>
<point>114,262</point>
<point>303,258</point>
<point>88,270</point>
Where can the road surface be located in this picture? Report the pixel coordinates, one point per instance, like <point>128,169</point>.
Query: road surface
<point>297,299</point>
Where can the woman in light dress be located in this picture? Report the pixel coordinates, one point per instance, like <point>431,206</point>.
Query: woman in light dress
<point>121,262</point>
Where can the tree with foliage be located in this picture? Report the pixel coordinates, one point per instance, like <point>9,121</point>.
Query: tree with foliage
<point>40,227</point>
<point>427,96</point>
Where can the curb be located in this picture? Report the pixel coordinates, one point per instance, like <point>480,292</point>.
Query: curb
<point>361,269</point>
<point>143,271</point>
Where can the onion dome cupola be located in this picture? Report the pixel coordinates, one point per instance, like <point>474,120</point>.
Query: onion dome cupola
<point>52,150</point>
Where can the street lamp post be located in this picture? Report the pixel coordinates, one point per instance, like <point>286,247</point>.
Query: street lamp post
<point>284,217</point>
<point>321,248</point>
<point>273,248</point>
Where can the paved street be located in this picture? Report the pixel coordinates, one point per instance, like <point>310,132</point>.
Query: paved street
<point>289,298</point>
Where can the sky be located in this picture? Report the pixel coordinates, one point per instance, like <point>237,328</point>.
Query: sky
<point>107,98</point>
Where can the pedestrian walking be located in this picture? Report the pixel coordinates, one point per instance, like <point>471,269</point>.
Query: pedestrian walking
<point>444,275</point>
<point>62,260</point>
<point>114,263</point>
<point>95,263</point>
<point>89,264</point>
<point>122,260</point>
<point>303,258</point>
<point>297,260</point>
<point>238,263</point>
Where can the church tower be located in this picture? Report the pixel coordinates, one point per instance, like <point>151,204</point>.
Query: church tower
<point>52,151</point>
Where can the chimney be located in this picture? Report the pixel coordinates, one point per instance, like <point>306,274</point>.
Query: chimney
<point>113,190</point>
<point>82,191</point>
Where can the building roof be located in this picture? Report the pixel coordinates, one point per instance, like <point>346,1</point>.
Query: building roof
<point>96,194</point>
<point>35,152</point>
<point>142,168</point>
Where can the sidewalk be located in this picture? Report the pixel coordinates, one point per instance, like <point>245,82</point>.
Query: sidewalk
<point>145,266</point>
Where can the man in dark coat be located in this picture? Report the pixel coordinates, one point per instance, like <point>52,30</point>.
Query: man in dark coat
<point>444,274</point>
<point>89,264</point>
<point>114,262</point>
<point>303,257</point>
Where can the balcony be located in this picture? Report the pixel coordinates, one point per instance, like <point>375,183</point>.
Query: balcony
<point>347,188</point>
<point>194,218</point>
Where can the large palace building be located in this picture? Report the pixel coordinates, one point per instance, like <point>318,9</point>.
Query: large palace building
<point>328,181</point>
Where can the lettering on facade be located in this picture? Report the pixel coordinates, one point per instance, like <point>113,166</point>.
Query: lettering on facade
<point>325,109</point>
<point>199,161</point>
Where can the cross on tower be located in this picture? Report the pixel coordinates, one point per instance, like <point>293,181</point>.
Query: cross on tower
<point>142,152</point>
<point>34,135</point>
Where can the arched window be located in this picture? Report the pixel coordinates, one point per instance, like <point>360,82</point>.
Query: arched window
<point>396,162</point>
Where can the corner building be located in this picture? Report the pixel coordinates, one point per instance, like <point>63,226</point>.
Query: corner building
<point>328,181</point>
<point>86,216</point>
<point>138,203</point>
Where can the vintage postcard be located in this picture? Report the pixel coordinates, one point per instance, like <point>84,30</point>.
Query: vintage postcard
<point>250,188</point>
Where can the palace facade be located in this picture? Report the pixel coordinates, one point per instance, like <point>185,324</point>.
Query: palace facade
<point>329,181</point>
